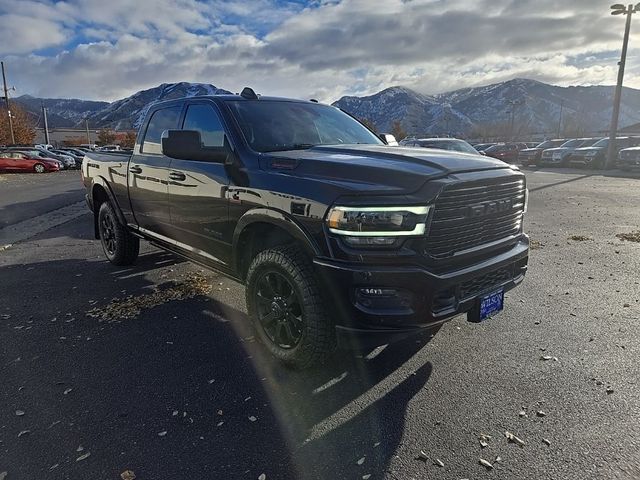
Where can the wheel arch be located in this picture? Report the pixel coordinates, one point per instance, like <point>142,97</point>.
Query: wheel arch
<point>263,228</point>
<point>101,192</point>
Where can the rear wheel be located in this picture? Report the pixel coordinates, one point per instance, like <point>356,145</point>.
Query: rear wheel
<point>286,308</point>
<point>39,168</point>
<point>119,245</point>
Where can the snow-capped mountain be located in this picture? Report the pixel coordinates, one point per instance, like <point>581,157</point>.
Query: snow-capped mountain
<point>536,108</point>
<point>128,113</point>
<point>60,112</point>
<point>124,114</point>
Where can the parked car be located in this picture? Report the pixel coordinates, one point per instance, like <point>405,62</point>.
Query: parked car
<point>481,147</point>
<point>310,210</point>
<point>560,156</point>
<point>629,158</point>
<point>452,144</point>
<point>595,155</point>
<point>532,156</point>
<point>76,158</point>
<point>64,161</point>
<point>507,152</point>
<point>12,161</point>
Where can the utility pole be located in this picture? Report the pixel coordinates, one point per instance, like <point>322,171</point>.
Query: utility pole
<point>560,121</point>
<point>619,9</point>
<point>6,99</point>
<point>86,127</point>
<point>46,125</point>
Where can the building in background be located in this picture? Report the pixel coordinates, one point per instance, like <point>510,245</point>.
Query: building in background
<point>67,136</point>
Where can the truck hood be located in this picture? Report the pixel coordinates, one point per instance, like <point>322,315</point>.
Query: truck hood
<point>377,167</point>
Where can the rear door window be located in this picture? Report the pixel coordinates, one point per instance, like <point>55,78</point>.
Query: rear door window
<point>161,120</point>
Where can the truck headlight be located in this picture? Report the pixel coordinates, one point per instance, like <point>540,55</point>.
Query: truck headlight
<point>376,226</point>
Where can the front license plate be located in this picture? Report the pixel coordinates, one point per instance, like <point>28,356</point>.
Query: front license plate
<point>491,304</point>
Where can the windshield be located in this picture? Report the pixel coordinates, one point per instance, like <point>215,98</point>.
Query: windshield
<point>453,145</point>
<point>270,126</point>
<point>573,143</point>
<point>549,144</point>
<point>496,148</point>
<point>602,143</point>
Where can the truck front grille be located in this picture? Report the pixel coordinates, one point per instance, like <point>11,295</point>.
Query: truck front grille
<point>472,214</point>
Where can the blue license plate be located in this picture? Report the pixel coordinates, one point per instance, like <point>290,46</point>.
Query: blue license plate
<point>491,304</point>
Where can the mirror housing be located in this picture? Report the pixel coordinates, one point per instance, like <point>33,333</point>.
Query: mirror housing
<point>388,139</point>
<point>187,145</point>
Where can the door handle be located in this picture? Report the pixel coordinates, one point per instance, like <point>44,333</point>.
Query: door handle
<point>178,176</point>
<point>135,169</point>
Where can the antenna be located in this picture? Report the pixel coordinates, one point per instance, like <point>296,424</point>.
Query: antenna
<point>248,93</point>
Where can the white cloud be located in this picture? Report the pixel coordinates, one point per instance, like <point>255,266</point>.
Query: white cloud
<point>324,51</point>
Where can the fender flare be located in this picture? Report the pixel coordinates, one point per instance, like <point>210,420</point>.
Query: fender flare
<point>102,182</point>
<point>277,219</point>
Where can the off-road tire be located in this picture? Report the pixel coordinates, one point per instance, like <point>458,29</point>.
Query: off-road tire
<point>124,247</point>
<point>318,339</point>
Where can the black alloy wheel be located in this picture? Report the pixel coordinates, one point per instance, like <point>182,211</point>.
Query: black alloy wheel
<point>108,234</point>
<point>279,310</point>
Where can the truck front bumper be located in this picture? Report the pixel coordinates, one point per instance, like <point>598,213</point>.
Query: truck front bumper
<point>378,304</point>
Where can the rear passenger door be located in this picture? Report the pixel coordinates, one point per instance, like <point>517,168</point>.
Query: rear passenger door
<point>148,174</point>
<point>198,205</point>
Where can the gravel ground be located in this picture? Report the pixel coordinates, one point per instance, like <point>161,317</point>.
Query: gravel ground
<point>173,384</point>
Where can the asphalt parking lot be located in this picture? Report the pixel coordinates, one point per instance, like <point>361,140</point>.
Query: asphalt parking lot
<point>168,382</point>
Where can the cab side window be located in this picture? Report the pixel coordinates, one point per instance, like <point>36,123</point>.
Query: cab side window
<point>161,120</point>
<point>205,120</point>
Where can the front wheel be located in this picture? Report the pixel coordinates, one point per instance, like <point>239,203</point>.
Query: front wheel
<point>39,168</point>
<point>286,307</point>
<point>119,245</point>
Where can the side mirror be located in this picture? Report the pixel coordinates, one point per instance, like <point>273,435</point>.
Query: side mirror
<point>389,139</point>
<point>187,145</point>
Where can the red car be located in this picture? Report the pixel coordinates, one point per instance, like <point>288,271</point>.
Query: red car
<point>507,152</point>
<point>23,162</point>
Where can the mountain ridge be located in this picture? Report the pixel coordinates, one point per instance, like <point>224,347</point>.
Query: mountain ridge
<point>531,105</point>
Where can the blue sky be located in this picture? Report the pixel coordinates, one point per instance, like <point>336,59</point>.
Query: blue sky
<point>108,49</point>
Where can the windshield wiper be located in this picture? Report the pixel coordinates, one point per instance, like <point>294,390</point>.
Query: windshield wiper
<point>295,146</point>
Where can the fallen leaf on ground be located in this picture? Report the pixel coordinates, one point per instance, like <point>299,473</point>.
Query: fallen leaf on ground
<point>579,238</point>
<point>540,413</point>
<point>360,461</point>
<point>252,418</point>
<point>24,432</point>
<point>83,457</point>
<point>262,476</point>
<point>486,464</point>
<point>19,413</point>
<point>366,477</point>
<point>128,475</point>
<point>512,438</point>
<point>131,306</point>
<point>162,434</point>
<point>422,456</point>
<point>439,462</point>
<point>547,441</point>
<point>67,391</point>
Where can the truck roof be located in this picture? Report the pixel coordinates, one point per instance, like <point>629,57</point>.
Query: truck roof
<point>236,98</point>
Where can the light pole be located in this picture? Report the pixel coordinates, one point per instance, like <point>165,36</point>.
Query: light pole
<point>6,99</point>
<point>512,119</point>
<point>619,9</point>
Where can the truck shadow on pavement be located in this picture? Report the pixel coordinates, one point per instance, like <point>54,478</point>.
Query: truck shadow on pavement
<point>183,390</point>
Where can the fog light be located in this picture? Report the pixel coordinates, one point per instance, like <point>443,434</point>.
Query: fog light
<point>370,241</point>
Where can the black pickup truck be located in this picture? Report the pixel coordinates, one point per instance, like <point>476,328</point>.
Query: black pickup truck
<point>339,238</point>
